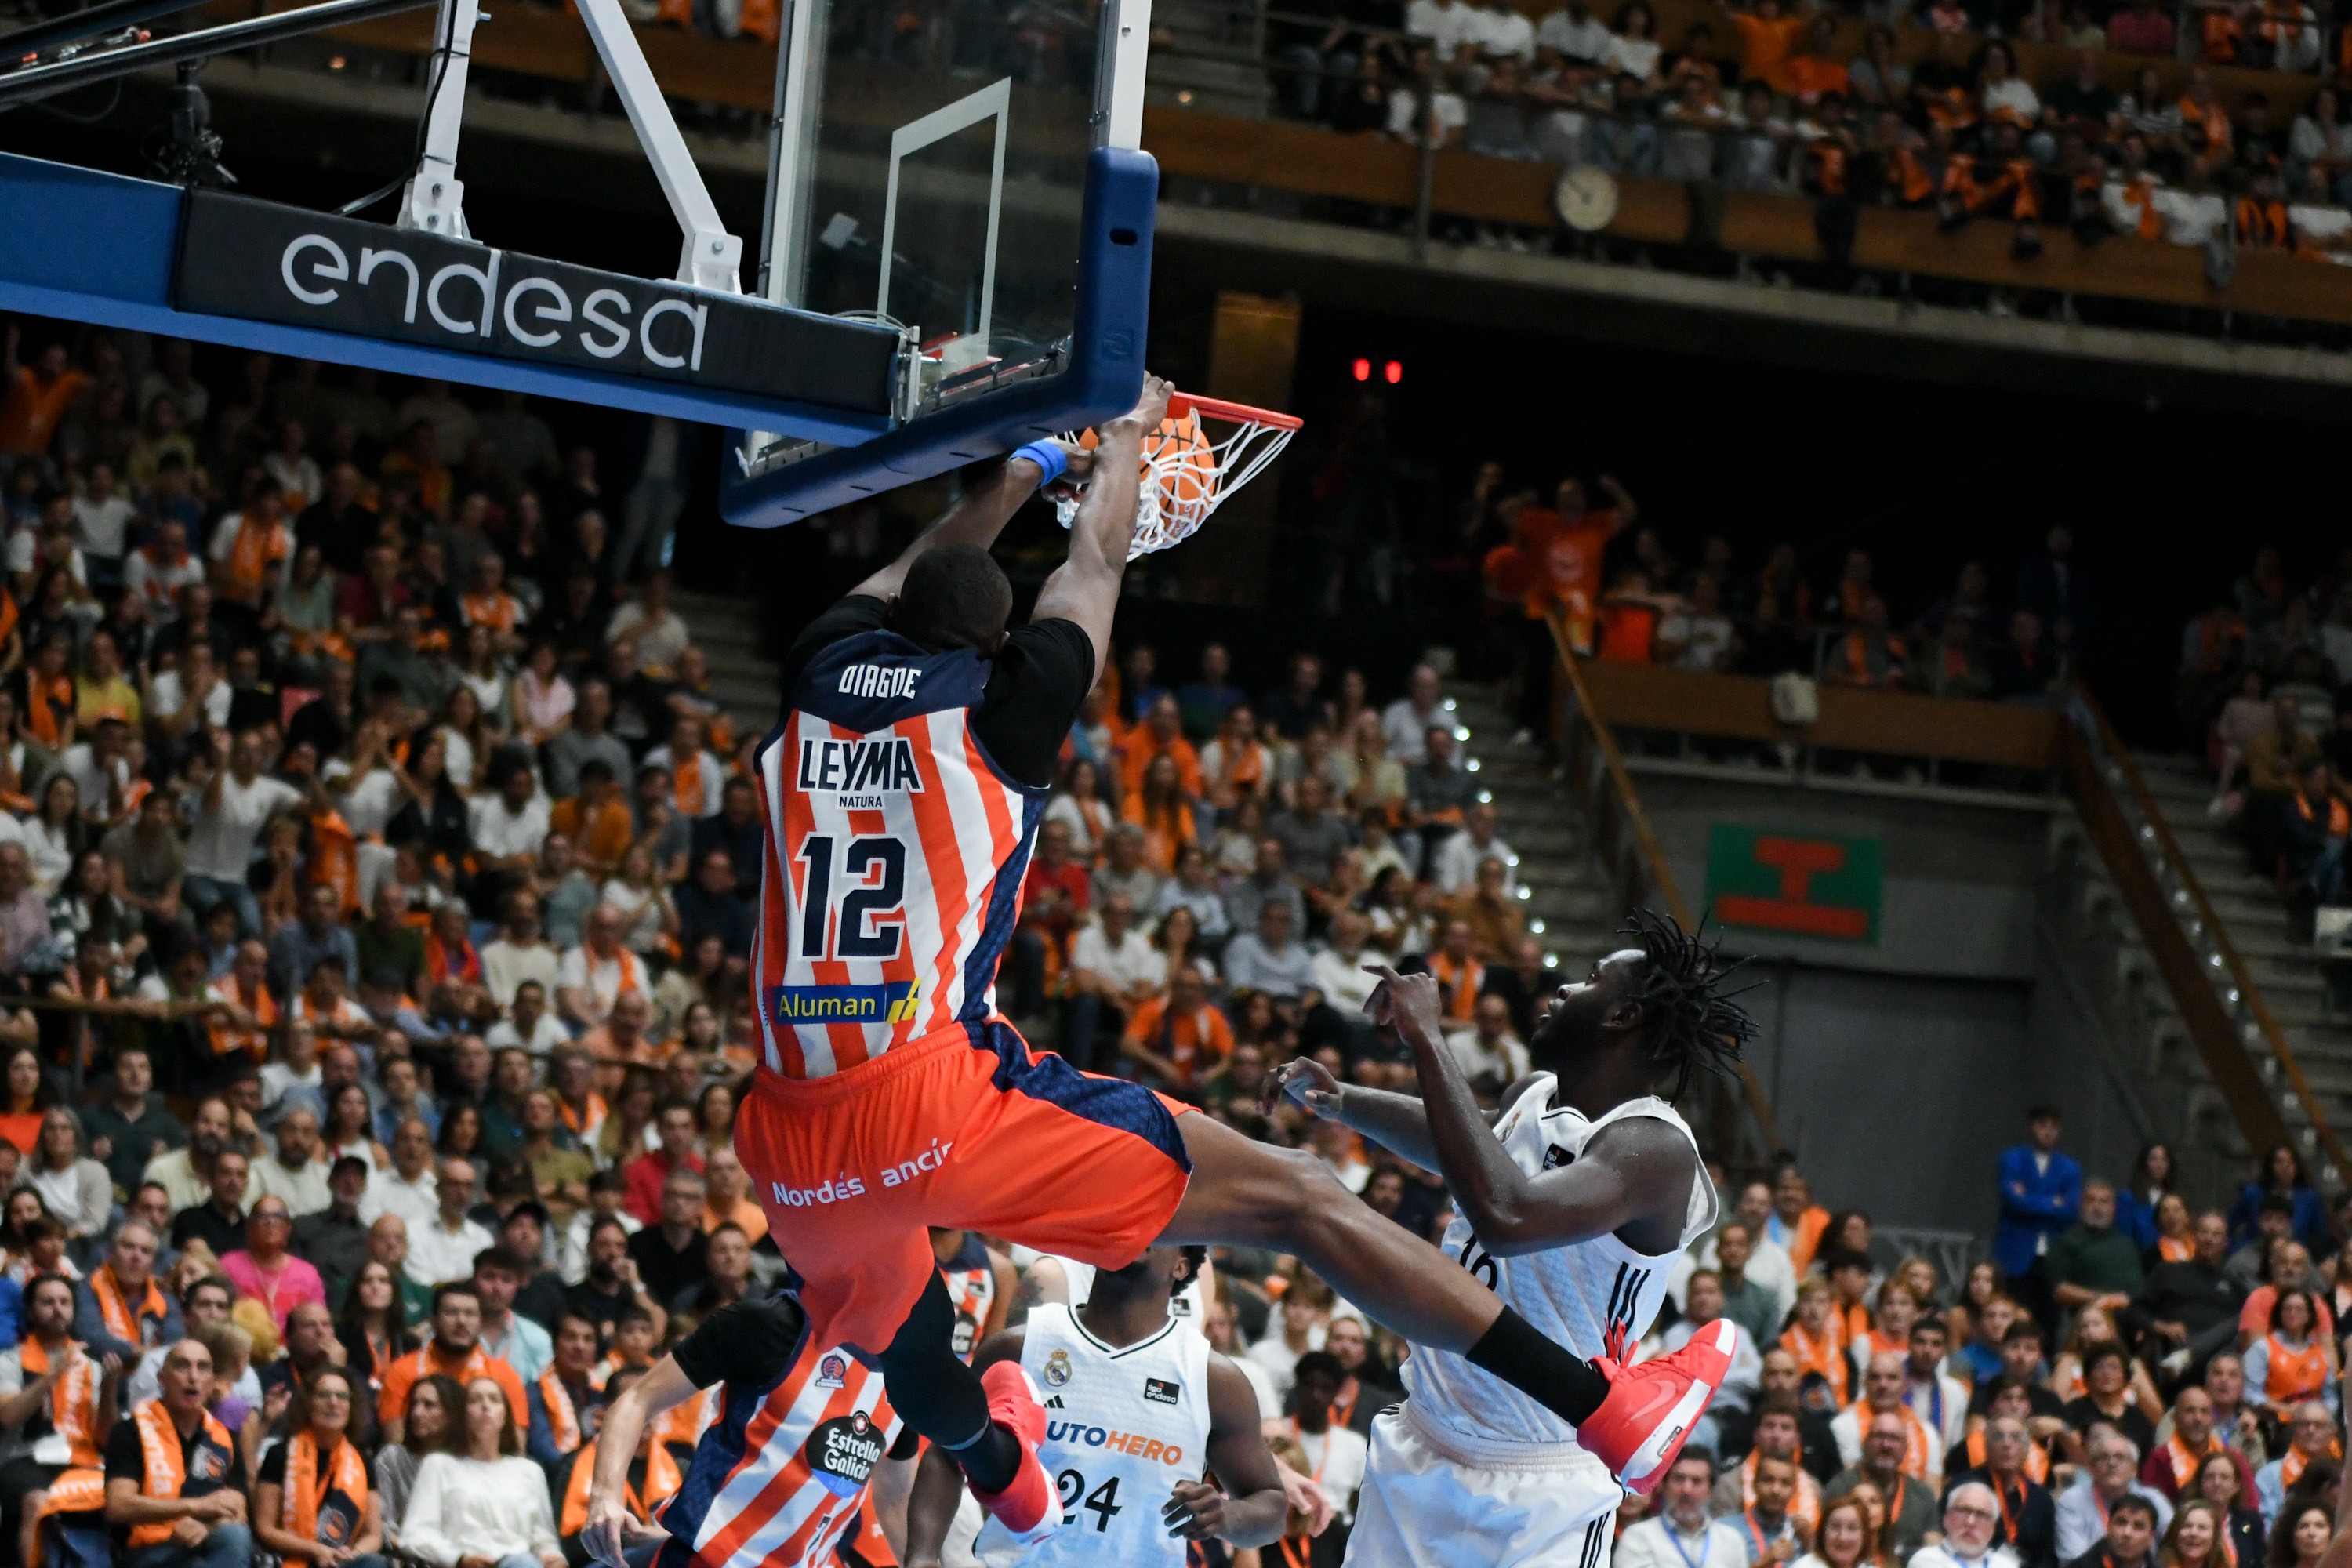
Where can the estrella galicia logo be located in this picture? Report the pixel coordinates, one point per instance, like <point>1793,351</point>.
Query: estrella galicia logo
<point>1057,1369</point>
<point>1163,1390</point>
<point>842,1453</point>
<point>892,1001</point>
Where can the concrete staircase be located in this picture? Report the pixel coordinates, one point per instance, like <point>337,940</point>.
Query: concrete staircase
<point>2283,968</point>
<point>1567,902</point>
<point>727,629</point>
<point>1205,56</point>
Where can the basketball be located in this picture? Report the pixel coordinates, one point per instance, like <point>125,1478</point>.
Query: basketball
<point>1182,456</point>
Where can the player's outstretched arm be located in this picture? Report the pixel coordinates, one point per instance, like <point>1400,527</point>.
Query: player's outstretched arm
<point>1630,1170</point>
<point>1085,588</point>
<point>939,1481</point>
<point>978,516</point>
<point>1252,1510</point>
<point>1395,1121</point>
<point>612,1529</point>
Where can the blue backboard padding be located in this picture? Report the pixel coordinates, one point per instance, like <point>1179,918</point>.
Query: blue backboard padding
<point>82,245</point>
<point>1103,380</point>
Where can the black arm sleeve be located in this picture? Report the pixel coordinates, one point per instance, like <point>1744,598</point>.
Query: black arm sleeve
<point>123,1460</point>
<point>857,612</point>
<point>273,1466</point>
<point>745,1343</point>
<point>1041,676</point>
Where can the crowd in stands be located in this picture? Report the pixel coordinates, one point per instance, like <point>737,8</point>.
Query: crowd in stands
<point>2259,688</point>
<point>1616,586</point>
<point>1769,96</point>
<point>2125,1382</point>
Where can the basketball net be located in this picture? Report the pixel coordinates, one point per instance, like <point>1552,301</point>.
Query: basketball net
<point>1187,474</point>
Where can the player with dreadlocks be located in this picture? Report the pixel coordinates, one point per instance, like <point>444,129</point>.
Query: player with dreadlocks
<point>1571,1207</point>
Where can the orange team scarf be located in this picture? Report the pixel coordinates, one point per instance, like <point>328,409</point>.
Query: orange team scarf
<point>1463,979</point>
<point>165,1470</point>
<point>335,858</point>
<point>662,1481</point>
<point>2186,1459</point>
<point>2175,1248</point>
<point>1916,1449</point>
<point>1824,1356</point>
<point>682,1424</point>
<point>251,557</point>
<point>330,1516</point>
<point>129,1324</point>
<point>2037,1458</point>
<point>2295,1374</point>
<point>687,780</point>
<point>7,616</point>
<point>1852,1322</point>
<point>253,1042</point>
<point>73,1403</point>
<point>581,1122</point>
<point>496,611</point>
<point>562,1416</point>
<point>1805,1508</point>
<point>600,1376</point>
<point>48,703</point>
<point>467,969</point>
<point>2292,1467</point>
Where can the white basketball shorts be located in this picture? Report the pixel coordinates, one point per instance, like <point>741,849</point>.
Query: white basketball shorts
<point>1422,1508</point>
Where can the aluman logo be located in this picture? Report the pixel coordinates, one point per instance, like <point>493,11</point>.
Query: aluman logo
<point>892,1001</point>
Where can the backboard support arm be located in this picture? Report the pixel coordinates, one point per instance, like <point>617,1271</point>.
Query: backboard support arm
<point>434,198</point>
<point>710,258</point>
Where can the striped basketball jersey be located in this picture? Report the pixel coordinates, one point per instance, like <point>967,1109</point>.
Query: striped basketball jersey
<point>1122,1427</point>
<point>782,1471</point>
<point>1596,1296</point>
<point>896,849</point>
<point>971,1278</point>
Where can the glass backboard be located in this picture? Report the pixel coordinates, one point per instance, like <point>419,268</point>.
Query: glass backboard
<point>930,168</point>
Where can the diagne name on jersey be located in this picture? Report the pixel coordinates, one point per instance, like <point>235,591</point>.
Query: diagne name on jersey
<point>880,680</point>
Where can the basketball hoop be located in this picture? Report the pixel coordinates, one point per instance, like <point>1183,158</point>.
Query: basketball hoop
<point>1188,475</point>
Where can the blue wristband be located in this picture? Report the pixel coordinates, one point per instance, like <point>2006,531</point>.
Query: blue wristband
<point>1048,456</point>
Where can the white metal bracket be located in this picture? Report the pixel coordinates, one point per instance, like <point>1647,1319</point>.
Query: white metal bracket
<point>435,198</point>
<point>710,258</point>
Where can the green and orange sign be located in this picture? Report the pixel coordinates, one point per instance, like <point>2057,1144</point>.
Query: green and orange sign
<point>1802,884</point>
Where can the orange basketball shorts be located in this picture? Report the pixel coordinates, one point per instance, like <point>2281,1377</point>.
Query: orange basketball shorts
<point>964,1129</point>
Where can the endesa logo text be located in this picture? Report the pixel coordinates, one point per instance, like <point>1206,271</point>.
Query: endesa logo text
<point>261,262</point>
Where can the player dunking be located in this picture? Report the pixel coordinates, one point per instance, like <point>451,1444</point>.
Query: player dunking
<point>902,794</point>
<point>1572,1209</point>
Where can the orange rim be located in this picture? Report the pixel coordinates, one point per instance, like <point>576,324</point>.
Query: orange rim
<point>1182,403</point>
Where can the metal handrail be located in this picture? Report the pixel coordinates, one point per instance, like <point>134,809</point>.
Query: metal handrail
<point>1654,854</point>
<point>2224,950</point>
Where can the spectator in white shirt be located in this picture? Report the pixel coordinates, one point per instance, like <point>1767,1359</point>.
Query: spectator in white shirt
<point>101,515</point>
<point>228,818</point>
<point>1298,1328</point>
<point>485,1502</point>
<point>510,826</point>
<point>1336,1455</point>
<point>528,1027</point>
<point>1681,1530</point>
<point>1267,960</point>
<point>410,1190</point>
<point>294,1174</point>
<point>444,1246</point>
<point>1446,24</point>
<point>519,952</point>
<point>1971,1517</point>
<point>1492,1058</point>
<point>1406,720</point>
<point>1114,970</point>
<point>1457,858</point>
<point>1338,971</point>
<point>1575,32</point>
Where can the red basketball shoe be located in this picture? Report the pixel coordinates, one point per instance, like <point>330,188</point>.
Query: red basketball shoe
<point>1652,1407</point>
<point>1031,1509</point>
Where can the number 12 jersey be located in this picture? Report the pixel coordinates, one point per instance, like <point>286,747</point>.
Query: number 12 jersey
<point>896,849</point>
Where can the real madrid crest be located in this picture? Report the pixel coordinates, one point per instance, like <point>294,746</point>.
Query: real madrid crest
<point>1057,1369</point>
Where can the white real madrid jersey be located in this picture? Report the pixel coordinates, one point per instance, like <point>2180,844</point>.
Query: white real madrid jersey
<point>1596,1296</point>
<point>1122,1427</point>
